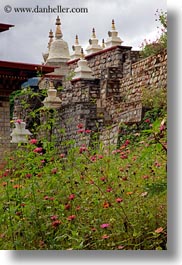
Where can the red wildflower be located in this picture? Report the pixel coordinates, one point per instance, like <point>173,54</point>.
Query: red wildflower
<point>147,120</point>
<point>106,204</point>
<point>67,206</point>
<point>28,175</point>
<point>93,158</point>
<point>81,131</point>
<point>159,230</point>
<point>120,247</point>
<point>19,121</point>
<point>80,126</point>
<point>71,217</point>
<point>127,142</point>
<point>17,186</point>
<point>54,170</point>
<point>56,223</point>
<point>109,189</point>
<point>103,178</point>
<point>78,208</point>
<point>145,177</point>
<point>119,200</point>
<point>105,236</point>
<point>33,141</point>
<point>83,149</point>
<point>37,150</point>
<point>123,156</point>
<point>71,196</point>
<point>87,131</point>
<point>54,217</point>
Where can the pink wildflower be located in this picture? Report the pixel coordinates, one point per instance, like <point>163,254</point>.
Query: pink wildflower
<point>119,200</point>
<point>145,177</point>
<point>37,150</point>
<point>54,217</point>
<point>83,149</point>
<point>19,121</point>
<point>104,225</point>
<point>71,217</point>
<point>87,131</point>
<point>33,141</point>
<point>71,196</point>
<point>159,230</point>
<point>105,236</point>
<point>62,155</point>
<point>80,126</point>
<point>54,171</point>
<point>81,131</point>
<point>109,189</point>
<point>56,223</point>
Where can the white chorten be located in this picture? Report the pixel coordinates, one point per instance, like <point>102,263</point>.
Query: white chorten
<point>52,101</point>
<point>76,49</point>
<point>59,51</point>
<point>46,54</point>
<point>113,39</point>
<point>83,70</point>
<point>94,46</point>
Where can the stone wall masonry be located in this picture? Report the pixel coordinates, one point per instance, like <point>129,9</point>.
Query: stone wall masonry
<point>80,91</point>
<point>4,127</point>
<point>149,73</point>
<point>117,56</point>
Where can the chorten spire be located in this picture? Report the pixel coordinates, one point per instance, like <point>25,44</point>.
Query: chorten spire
<point>51,36</point>
<point>76,49</point>
<point>58,33</point>
<point>93,44</point>
<point>113,39</point>
<point>103,44</point>
<point>82,54</point>
<point>76,40</point>
<point>93,34</point>
<point>113,25</point>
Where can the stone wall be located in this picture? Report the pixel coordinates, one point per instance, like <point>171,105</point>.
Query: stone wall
<point>4,127</point>
<point>114,96</point>
<point>118,56</point>
<point>125,104</point>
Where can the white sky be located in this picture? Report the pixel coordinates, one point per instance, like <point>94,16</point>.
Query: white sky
<point>134,20</point>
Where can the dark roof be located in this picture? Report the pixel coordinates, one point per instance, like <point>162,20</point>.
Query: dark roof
<point>4,27</point>
<point>23,69</point>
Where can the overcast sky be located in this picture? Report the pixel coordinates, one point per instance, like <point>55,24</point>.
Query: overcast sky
<point>134,20</point>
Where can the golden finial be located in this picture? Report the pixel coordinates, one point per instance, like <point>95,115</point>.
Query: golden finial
<point>103,44</point>
<point>82,54</point>
<point>76,40</point>
<point>93,33</point>
<point>58,33</point>
<point>113,25</point>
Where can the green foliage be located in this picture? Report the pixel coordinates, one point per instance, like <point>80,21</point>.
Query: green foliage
<point>149,48</point>
<point>87,199</point>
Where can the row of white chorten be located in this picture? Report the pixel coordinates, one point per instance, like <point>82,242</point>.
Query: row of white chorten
<point>58,50</point>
